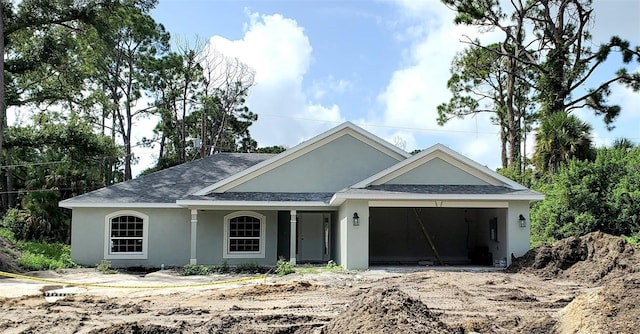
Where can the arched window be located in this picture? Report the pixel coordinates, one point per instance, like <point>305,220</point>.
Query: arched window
<point>244,235</point>
<point>126,235</point>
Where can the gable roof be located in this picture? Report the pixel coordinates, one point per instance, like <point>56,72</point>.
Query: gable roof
<point>328,136</point>
<point>163,188</point>
<point>440,151</point>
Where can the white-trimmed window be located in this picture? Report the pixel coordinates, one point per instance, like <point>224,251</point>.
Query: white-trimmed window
<point>126,235</point>
<point>244,235</point>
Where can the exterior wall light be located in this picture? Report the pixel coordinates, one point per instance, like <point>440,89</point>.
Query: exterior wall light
<point>522,221</point>
<point>356,219</point>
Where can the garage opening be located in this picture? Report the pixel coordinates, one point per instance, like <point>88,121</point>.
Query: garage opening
<point>458,236</point>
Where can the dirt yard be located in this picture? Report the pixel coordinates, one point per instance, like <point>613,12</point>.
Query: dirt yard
<point>547,293</point>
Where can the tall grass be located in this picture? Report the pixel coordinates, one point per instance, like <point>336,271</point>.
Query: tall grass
<point>38,255</point>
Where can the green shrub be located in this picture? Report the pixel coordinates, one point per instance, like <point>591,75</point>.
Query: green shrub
<point>105,267</point>
<point>633,239</point>
<point>6,233</point>
<point>195,269</point>
<point>223,268</point>
<point>250,267</point>
<point>331,265</point>
<point>32,262</point>
<point>45,256</point>
<point>284,267</point>
<point>17,222</point>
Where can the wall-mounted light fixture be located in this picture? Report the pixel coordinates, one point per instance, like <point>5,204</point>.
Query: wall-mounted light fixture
<point>522,221</point>
<point>356,219</point>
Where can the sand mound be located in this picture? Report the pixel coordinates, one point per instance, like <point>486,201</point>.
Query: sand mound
<point>134,328</point>
<point>387,311</point>
<point>591,258</point>
<point>614,308</point>
<point>8,257</point>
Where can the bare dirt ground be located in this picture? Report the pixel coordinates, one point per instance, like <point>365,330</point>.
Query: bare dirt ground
<point>538,297</point>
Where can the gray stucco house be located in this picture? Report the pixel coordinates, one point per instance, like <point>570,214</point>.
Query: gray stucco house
<point>345,195</point>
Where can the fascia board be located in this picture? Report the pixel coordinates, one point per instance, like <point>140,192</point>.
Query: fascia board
<point>299,150</point>
<point>339,198</point>
<point>439,204</point>
<point>71,205</point>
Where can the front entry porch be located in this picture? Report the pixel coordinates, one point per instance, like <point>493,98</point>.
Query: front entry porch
<point>308,233</point>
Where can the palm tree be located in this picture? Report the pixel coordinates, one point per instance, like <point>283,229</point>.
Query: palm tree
<point>623,144</point>
<point>560,138</point>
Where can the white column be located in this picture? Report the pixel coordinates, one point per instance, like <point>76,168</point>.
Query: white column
<point>292,252</point>
<point>194,236</point>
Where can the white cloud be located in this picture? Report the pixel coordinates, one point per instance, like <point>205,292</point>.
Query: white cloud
<point>329,85</point>
<point>278,49</point>
<point>418,86</point>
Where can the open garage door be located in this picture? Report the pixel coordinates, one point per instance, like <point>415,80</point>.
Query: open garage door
<point>460,236</point>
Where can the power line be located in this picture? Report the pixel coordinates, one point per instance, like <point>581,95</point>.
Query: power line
<point>398,127</point>
<point>32,164</point>
<point>29,191</point>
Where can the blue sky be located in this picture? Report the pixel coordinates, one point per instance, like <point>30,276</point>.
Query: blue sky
<point>380,64</point>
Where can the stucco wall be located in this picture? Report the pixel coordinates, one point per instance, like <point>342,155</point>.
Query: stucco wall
<point>497,248</point>
<point>354,242</point>
<point>211,234</point>
<point>437,171</point>
<point>169,237</point>
<point>518,237</point>
<point>329,168</point>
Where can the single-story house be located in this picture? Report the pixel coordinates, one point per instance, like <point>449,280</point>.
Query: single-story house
<point>345,195</point>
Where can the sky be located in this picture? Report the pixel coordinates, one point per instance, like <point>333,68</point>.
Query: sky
<point>382,65</point>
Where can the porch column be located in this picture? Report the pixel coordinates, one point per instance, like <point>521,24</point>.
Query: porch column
<point>194,236</point>
<point>292,251</point>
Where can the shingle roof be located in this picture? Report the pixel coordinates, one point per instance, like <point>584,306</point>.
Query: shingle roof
<point>171,184</point>
<point>264,197</point>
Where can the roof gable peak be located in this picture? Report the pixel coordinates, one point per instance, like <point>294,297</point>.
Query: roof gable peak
<point>440,151</point>
<point>346,128</point>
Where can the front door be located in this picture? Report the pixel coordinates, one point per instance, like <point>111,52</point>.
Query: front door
<point>313,237</point>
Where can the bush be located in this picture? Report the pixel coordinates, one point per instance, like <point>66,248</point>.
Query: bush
<point>16,221</point>
<point>588,196</point>
<point>251,268</point>
<point>7,234</point>
<point>331,265</point>
<point>195,269</point>
<point>105,267</point>
<point>223,268</point>
<point>633,239</point>
<point>284,267</point>
<point>45,256</point>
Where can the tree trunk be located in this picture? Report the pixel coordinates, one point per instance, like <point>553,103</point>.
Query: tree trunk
<point>3,107</point>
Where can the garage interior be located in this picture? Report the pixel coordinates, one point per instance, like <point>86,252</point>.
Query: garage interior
<point>458,236</point>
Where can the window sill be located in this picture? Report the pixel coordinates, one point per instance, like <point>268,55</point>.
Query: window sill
<point>243,256</point>
<point>125,256</point>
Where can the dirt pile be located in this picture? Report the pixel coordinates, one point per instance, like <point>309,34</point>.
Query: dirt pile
<point>592,258</point>
<point>134,328</point>
<point>8,257</point>
<point>614,308</point>
<point>387,311</point>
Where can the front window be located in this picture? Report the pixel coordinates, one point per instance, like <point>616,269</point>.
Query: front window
<point>244,235</point>
<point>126,235</point>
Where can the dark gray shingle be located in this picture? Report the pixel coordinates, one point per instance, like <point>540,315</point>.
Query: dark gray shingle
<point>171,184</point>
<point>265,197</point>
